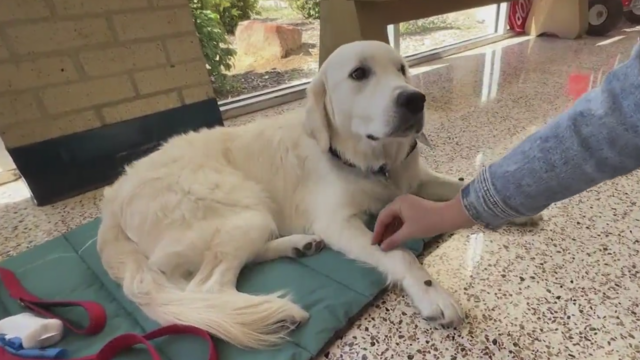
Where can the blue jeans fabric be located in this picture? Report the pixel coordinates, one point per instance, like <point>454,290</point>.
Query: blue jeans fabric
<point>596,140</point>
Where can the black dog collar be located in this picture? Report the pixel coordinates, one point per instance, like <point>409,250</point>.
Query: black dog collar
<point>382,170</point>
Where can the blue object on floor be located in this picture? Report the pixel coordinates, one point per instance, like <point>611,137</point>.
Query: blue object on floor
<point>14,346</point>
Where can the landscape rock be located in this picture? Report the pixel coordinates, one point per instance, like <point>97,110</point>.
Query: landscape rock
<point>267,41</point>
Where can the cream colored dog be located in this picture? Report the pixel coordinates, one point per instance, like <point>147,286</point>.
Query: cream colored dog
<point>179,226</point>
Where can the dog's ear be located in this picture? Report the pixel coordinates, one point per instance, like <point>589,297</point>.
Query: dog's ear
<point>316,122</point>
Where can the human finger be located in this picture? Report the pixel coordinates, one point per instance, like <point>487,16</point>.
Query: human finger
<point>385,218</point>
<point>395,240</point>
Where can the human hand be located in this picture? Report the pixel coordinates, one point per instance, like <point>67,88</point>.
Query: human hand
<point>410,217</point>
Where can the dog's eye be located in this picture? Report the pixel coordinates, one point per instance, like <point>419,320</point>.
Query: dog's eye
<point>403,70</point>
<point>359,74</point>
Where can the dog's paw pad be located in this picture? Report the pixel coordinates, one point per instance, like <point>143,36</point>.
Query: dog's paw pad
<point>310,248</point>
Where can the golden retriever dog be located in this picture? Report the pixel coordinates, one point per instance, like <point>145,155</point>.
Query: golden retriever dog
<point>180,224</point>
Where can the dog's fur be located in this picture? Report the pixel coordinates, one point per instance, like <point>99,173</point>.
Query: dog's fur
<point>181,223</point>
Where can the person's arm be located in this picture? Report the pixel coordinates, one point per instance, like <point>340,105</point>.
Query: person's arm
<point>596,140</point>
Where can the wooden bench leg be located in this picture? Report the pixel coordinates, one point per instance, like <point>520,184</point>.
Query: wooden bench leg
<point>340,24</point>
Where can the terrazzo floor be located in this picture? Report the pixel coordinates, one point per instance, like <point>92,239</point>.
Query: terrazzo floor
<point>566,290</point>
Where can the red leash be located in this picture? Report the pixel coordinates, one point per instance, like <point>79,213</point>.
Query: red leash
<point>97,322</point>
<point>97,315</point>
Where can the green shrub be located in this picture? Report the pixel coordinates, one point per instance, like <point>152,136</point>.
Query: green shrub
<point>308,9</point>
<point>232,12</point>
<point>216,48</point>
<point>425,26</point>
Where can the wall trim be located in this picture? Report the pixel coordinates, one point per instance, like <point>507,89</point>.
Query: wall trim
<point>70,165</point>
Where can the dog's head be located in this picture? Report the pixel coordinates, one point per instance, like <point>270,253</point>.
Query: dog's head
<point>362,91</point>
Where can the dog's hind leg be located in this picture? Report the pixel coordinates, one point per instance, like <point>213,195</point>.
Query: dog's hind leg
<point>227,245</point>
<point>201,282</point>
<point>225,275</point>
<point>296,246</point>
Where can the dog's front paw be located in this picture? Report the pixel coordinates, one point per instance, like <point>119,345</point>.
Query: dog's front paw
<point>534,220</point>
<point>435,304</point>
<point>311,247</point>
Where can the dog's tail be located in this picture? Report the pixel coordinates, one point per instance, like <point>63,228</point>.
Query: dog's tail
<point>244,320</point>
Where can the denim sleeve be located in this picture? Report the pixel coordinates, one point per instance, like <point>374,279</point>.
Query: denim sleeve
<point>596,140</point>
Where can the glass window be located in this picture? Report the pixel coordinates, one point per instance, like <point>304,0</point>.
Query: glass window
<point>253,46</point>
<point>438,31</point>
<point>257,45</point>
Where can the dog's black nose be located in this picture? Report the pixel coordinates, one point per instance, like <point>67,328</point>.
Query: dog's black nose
<point>412,101</point>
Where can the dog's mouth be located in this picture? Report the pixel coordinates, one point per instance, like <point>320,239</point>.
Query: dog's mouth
<point>408,126</point>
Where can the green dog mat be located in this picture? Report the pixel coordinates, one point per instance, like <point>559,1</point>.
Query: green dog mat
<point>332,288</point>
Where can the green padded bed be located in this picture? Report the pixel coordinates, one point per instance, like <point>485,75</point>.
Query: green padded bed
<point>333,289</point>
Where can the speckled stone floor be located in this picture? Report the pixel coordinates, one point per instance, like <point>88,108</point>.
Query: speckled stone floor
<point>567,290</point>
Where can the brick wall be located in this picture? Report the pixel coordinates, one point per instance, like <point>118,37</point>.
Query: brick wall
<point>72,65</point>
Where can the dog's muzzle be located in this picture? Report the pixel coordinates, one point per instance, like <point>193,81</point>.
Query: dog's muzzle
<point>409,113</point>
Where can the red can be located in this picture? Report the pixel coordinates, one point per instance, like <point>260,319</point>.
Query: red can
<point>518,14</point>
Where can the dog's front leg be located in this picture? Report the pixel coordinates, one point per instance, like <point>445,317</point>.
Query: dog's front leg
<point>437,187</point>
<point>351,237</point>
